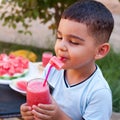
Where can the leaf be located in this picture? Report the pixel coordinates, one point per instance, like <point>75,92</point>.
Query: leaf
<point>33,9</point>
<point>14,26</point>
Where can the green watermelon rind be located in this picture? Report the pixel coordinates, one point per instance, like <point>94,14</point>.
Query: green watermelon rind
<point>15,76</point>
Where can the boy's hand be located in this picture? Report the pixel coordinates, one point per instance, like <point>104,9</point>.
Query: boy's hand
<point>46,111</point>
<point>49,112</point>
<point>26,112</point>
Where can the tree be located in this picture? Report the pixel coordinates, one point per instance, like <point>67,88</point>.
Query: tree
<point>24,11</point>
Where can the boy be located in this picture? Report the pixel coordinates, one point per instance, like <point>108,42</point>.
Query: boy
<point>80,92</point>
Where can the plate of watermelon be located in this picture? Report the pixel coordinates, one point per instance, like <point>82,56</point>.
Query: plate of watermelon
<point>19,86</point>
<point>12,68</point>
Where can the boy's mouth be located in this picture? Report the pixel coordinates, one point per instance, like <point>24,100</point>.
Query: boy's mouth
<point>63,59</point>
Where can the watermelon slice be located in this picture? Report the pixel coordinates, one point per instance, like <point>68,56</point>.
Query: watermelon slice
<point>12,67</point>
<point>22,85</point>
<point>57,63</point>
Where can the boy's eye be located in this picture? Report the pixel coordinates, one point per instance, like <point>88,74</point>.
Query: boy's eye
<point>74,42</point>
<point>58,37</point>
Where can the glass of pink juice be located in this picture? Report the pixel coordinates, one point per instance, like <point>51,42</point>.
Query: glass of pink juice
<point>37,93</point>
<point>46,56</point>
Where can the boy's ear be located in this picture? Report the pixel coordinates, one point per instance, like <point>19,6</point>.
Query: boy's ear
<point>102,51</point>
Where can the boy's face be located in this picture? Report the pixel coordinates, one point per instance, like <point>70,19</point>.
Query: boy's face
<point>74,45</point>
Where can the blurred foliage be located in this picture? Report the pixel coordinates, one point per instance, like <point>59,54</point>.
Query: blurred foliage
<point>24,11</point>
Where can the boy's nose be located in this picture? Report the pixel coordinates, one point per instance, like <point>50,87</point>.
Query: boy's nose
<point>62,45</point>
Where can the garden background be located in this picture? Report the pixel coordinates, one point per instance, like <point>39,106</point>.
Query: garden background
<point>43,39</point>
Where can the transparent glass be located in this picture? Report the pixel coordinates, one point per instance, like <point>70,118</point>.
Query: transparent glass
<point>37,93</point>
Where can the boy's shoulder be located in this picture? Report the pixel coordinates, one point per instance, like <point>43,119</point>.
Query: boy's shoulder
<point>97,81</point>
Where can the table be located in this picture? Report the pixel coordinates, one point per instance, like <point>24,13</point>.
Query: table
<point>11,119</point>
<point>10,102</point>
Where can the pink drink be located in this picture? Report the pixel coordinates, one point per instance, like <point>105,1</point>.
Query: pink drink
<point>46,56</point>
<point>37,93</point>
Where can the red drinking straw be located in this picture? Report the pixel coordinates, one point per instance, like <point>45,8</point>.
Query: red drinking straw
<point>46,78</point>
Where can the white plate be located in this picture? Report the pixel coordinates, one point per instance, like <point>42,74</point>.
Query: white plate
<point>35,71</point>
<point>13,86</point>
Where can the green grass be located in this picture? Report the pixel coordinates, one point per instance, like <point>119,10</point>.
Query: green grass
<point>110,66</point>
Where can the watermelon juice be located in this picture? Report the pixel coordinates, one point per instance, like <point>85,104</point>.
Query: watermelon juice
<point>37,93</point>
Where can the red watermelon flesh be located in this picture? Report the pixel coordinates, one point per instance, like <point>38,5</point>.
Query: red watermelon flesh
<point>22,85</point>
<point>57,63</point>
<point>11,65</point>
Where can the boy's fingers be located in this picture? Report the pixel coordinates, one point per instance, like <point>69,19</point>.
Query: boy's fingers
<point>43,111</point>
<point>40,115</point>
<point>28,118</point>
<point>24,107</point>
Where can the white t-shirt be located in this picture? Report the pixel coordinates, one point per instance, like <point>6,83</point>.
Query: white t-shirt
<point>89,100</point>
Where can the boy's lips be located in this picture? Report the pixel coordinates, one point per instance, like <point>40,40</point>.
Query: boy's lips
<point>62,58</point>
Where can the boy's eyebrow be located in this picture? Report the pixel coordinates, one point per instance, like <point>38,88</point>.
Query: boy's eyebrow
<point>73,36</point>
<point>76,37</point>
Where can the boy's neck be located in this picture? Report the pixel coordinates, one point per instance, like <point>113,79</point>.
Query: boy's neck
<point>75,76</point>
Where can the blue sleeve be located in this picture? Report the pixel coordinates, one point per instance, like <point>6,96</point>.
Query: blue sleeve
<point>99,106</point>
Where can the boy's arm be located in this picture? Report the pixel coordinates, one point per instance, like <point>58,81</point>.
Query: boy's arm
<point>63,116</point>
